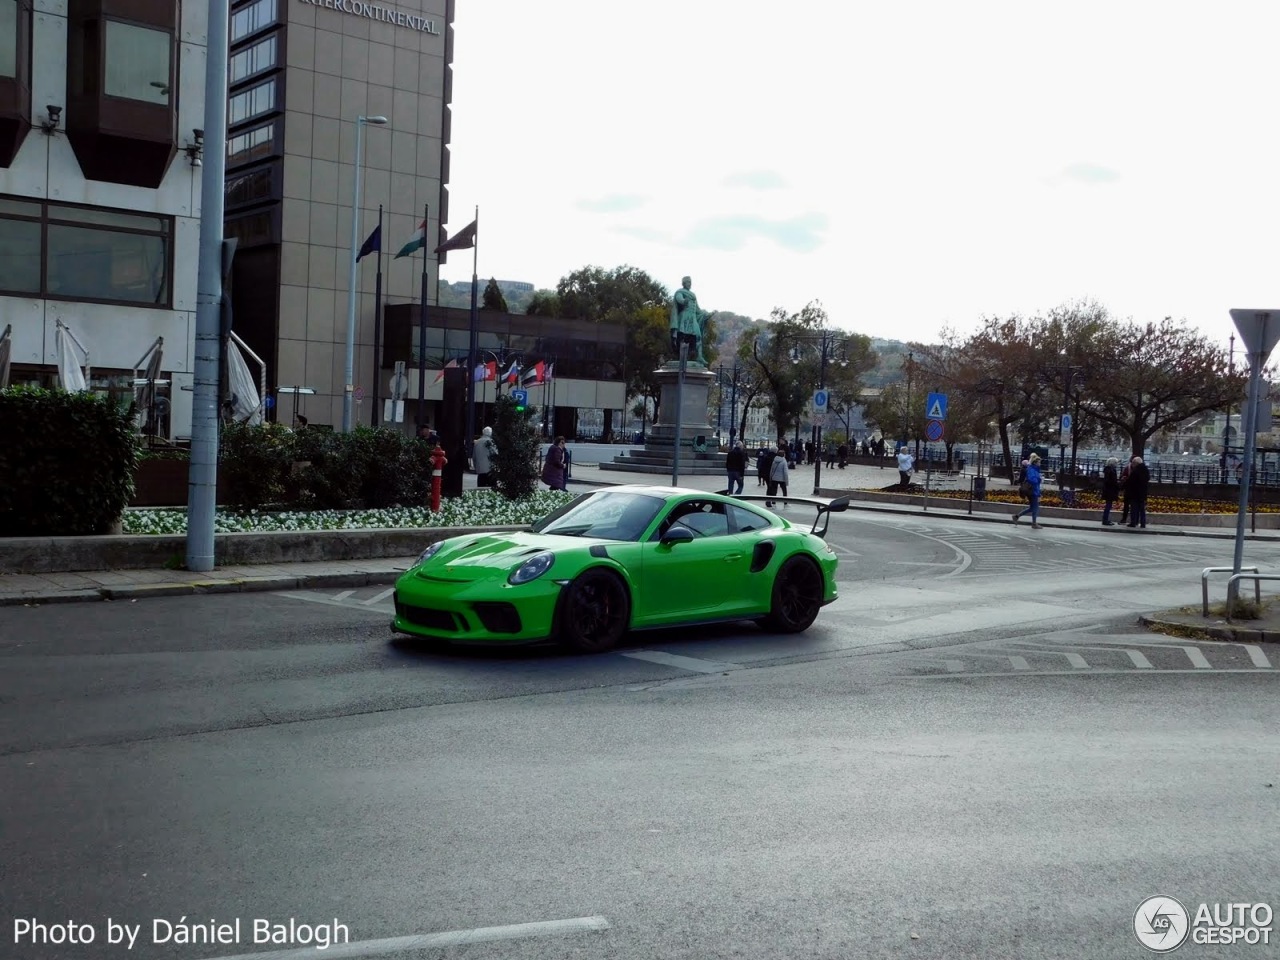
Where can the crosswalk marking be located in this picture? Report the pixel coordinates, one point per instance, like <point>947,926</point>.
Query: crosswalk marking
<point>1139,661</point>
<point>343,595</point>
<point>1077,661</point>
<point>1197,658</point>
<point>1257,656</point>
<point>378,598</point>
<point>691,664</point>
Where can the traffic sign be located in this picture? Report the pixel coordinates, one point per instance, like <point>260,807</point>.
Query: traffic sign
<point>1064,430</point>
<point>820,398</point>
<point>520,396</point>
<point>933,431</point>
<point>358,394</point>
<point>935,408</point>
<point>1259,329</point>
<point>268,401</point>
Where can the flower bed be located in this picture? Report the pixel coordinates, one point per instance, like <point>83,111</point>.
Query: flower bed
<point>478,508</point>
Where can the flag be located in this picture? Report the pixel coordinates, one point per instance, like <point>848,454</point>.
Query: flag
<point>373,243</point>
<point>513,374</point>
<point>464,238</point>
<point>534,375</point>
<point>448,366</point>
<point>486,371</point>
<point>419,242</point>
<point>551,371</point>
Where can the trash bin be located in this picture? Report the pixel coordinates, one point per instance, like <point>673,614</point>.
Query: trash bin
<point>979,488</point>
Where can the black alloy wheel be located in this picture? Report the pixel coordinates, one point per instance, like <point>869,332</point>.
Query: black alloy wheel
<point>797,596</point>
<point>595,613</point>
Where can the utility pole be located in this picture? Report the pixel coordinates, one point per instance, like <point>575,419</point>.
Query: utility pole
<point>202,476</point>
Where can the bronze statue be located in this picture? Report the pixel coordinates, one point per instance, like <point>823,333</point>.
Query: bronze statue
<point>688,322</point>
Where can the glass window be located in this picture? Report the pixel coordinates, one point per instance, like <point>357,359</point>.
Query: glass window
<point>251,102</point>
<point>8,38</point>
<point>251,145</point>
<point>744,521</point>
<point>19,255</point>
<point>94,264</point>
<point>252,18</point>
<point>245,63</point>
<point>83,253</point>
<point>138,61</point>
<point>249,187</point>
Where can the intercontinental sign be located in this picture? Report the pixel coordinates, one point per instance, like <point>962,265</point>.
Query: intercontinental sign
<point>376,11</point>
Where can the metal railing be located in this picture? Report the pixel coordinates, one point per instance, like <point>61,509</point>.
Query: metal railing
<point>1204,587</point>
<point>1233,587</point>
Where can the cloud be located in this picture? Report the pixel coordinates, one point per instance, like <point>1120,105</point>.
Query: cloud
<point>614,203</point>
<point>731,233</point>
<point>756,180</point>
<point>644,233</point>
<point>1088,173</point>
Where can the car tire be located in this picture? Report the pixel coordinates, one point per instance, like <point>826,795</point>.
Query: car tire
<point>595,612</point>
<point>797,596</point>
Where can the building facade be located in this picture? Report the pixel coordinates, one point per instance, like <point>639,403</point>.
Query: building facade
<point>101,117</point>
<point>301,74</point>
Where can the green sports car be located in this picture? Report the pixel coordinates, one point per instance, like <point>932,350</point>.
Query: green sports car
<point>618,559</point>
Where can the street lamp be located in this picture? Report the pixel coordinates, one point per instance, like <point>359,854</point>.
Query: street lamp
<point>349,370</point>
<point>826,342</point>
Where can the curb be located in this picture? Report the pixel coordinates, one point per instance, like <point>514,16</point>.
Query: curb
<point>143,591</point>
<point>1216,631</point>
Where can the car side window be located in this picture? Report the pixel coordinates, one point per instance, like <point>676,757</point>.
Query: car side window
<point>742,520</point>
<point>705,518</point>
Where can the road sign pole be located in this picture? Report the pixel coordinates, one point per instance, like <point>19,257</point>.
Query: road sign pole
<point>1259,331</point>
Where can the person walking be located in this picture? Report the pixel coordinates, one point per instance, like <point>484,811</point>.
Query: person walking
<point>1032,482</point>
<point>905,464</point>
<point>763,458</point>
<point>482,456</point>
<point>554,472</point>
<point>778,474</point>
<point>735,467</point>
<point>1110,490</point>
<point>1136,492</point>
<point>1124,492</point>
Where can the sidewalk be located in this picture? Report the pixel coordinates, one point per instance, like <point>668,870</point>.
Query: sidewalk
<point>126,585</point>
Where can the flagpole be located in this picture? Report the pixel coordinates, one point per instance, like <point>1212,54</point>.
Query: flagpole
<point>377,332</point>
<point>473,338</point>
<point>422,328</point>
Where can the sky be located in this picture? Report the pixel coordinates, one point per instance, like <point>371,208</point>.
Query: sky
<point>910,166</point>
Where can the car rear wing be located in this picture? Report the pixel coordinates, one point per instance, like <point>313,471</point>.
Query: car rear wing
<point>825,507</point>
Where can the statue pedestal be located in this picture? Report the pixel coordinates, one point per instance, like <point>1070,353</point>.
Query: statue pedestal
<point>693,415</point>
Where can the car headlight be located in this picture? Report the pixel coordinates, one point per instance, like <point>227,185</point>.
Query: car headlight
<point>428,553</point>
<point>532,568</point>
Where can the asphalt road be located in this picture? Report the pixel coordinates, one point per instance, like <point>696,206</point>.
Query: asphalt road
<point>974,747</point>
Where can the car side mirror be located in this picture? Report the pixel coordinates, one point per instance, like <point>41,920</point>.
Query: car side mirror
<point>677,535</point>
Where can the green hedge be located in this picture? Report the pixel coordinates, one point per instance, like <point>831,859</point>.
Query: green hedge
<point>66,462</point>
<point>321,469</point>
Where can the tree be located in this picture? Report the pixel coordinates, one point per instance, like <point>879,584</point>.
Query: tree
<point>1157,375</point>
<point>544,303</point>
<point>515,462</point>
<point>770,354</point>
<point>493,298</point>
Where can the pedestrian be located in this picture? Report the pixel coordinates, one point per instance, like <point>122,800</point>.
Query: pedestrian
<point>831,454</point>
<point>553,468</point>
<point>1031,485</point>
<point>1110,490</point>
<point>843,453</point>
<point>778,474</point>
<point>1124,491</point>
<point>1136,490</point>
<point>762,466</point>
<point>905,463</point>
<point>482,457</point>
<point>735,467</point>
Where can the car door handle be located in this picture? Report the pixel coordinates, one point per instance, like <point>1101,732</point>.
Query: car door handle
<point>733,557</point>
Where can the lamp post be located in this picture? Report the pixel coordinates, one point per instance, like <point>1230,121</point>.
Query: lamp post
<point>906,413</point>
<point>349,370</point>
<point>1066,476</point>
<point>1226,433</point>
<point>826,342</point>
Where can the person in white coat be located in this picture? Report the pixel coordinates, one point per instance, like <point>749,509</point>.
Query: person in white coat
<point>778,474</point>
<point>482,456</point>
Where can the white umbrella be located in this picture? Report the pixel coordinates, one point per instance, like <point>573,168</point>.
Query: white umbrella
<point>69,351</point>
<point>6,341</point>
<point>146,384</point>
<point>246,404</point>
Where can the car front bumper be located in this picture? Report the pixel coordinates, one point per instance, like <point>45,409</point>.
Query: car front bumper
<point>480,612</point>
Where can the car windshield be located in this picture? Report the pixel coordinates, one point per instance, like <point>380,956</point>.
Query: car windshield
<point>607,515</point>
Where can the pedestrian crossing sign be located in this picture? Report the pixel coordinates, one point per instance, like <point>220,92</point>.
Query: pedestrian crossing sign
<point>935,407</point>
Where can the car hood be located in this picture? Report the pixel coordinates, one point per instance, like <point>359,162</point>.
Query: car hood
<point>483,556</point>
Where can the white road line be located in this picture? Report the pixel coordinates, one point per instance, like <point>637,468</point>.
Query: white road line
<point>684,663</point>
<point>954,666</point>
<point>1257,656</point>
<point>1197,658</point>
<point>1077,661</point>
<point>1139,661</point>
<point>433,941</point>
<point>1019,663</point>
<point>343,595</point>
<point>381,596</point>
